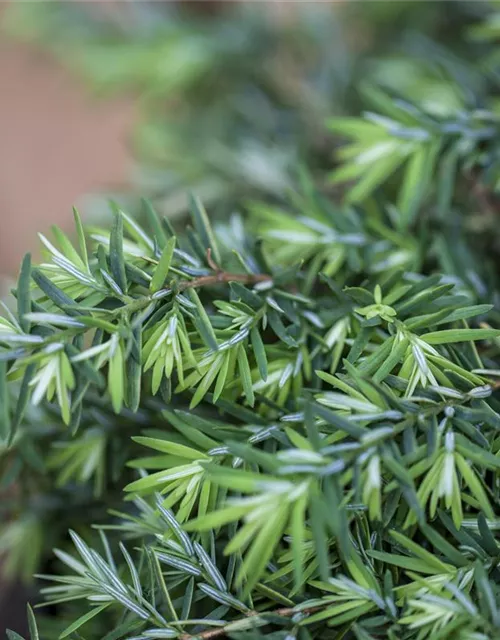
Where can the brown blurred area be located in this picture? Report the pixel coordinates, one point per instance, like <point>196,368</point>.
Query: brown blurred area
<point>57,143</point>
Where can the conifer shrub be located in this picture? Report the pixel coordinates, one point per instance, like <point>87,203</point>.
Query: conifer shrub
<point>284,424</point>
<point>280,426</point>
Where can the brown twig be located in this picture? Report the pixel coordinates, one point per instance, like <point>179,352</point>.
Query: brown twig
<point>203,281</point>
<point>210,634</point>
<point>222,276</point>
<point>211,262</point>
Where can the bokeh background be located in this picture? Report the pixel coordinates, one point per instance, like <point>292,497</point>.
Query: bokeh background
<point>98,97</point>
<point>66,126</point>
<point>58,143</point>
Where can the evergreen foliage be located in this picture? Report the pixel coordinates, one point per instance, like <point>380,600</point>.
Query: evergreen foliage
<point>283,425</point>
<point>307,428</point>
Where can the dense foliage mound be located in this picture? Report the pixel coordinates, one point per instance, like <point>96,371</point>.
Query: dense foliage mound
<point>304,423</point>
<point>283,425</point>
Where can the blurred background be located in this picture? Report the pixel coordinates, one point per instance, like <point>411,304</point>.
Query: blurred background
<point>125,98</point>
<point>58,142</point>
<point>113,98</point>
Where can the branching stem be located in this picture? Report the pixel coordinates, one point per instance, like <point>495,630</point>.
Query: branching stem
<point>219,277</point>
<point>210,634</point>
<point>222,276</point>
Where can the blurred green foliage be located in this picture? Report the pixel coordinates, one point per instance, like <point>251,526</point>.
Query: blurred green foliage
<point>231,98</point>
